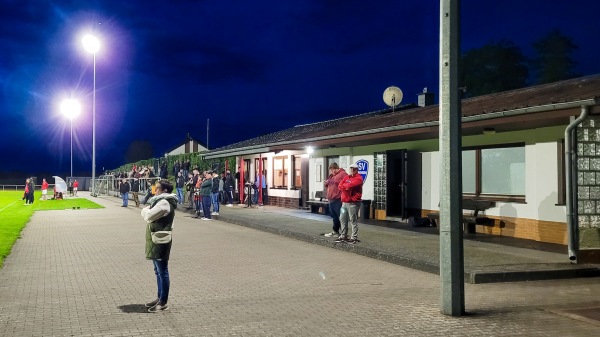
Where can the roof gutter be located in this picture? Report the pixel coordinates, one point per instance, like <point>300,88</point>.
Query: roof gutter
<point>238,152</point>
<point>492,115</point>
<point>570,182</point>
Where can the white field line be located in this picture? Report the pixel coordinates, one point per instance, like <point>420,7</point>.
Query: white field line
<point>8,205</point>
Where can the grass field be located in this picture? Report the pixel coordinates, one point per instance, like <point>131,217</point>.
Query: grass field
<point>14,215</point>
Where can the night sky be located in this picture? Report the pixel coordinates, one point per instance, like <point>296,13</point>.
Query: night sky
<point>251,67</point>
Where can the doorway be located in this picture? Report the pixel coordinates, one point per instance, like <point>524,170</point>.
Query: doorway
<point>396,173</point>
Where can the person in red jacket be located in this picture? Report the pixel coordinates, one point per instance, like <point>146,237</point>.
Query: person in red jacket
<point>44,189</point>
<point>334,196</point>
<point>75,186</point>
<point>351,188</point>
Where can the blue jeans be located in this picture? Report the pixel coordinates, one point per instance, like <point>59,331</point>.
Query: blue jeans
<point>180,195</point>
<point>215,202</point>
<point>206,206</point>
<point>334,211</point>
<point>125,199</point>
<point>255,196</point>
<point>161,269</point>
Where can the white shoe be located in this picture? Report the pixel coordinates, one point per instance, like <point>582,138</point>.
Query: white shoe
<point>214,213</point>
<point>206,219</point>
<point>331,235</point>
<point>229,205</point>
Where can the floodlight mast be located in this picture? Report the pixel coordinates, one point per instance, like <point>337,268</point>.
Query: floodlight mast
<point>91,44</point>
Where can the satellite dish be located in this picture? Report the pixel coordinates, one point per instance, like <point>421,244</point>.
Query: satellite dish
<point>392,96</point>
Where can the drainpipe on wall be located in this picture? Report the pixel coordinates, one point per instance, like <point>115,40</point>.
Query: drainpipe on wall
<point>572,223</point>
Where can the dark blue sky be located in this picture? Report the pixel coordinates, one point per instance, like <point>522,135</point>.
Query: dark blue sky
<point>252,67</point>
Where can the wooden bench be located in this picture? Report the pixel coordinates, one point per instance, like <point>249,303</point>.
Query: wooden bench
<point>319,202</point>
<point>469,219</point>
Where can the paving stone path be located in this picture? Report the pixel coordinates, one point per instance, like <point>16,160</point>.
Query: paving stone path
<point>83,273</point>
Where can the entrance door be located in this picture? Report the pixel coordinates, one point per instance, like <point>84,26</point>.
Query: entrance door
<point>304,187</point>
<point>396,173</point>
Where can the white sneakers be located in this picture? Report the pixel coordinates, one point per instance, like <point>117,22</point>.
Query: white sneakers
<point>214,213</point>
<point>229,205</point>
<point>206,219</point>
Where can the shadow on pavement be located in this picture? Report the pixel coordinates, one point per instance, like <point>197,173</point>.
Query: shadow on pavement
<point>133,308</point>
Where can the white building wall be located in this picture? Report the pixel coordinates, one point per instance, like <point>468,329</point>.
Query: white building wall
<point>541,191</point>
<point>179,150</point>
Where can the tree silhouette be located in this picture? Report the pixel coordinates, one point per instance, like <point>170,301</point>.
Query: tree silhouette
<point>139,150</point>
<point>495,67</point>
<point>554,61</point>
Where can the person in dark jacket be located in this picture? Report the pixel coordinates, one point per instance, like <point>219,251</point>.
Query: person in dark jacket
<point>215,192</point>
<point>124,190</point>
<point>205,194</point>
<point>229,188</point>
<point>179,183</point>
<point>159,216</point>
<point>135,189</point>
<point>31,186</point>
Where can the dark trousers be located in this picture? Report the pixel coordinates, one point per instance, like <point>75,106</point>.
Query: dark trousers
<point>334,211</point>
<point>206,206</point>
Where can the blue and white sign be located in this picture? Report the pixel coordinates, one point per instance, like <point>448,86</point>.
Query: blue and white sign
<point>363,168</point>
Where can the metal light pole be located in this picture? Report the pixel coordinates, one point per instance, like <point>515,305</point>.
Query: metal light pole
<point>70,108</point>
<point>92,45</point>
<point>451,235</point>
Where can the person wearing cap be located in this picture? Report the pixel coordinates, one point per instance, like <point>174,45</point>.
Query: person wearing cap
<point>334,196</point>
<point>351,188</point>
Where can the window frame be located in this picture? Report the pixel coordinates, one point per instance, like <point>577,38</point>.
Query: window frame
<point>478,175</point>
<point>285,185</point>
<point>297,171</point>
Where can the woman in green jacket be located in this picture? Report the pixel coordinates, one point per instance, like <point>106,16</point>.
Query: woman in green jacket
<point>159,217</point>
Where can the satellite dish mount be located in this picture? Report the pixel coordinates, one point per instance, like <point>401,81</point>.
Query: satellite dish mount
<point>392,96</point>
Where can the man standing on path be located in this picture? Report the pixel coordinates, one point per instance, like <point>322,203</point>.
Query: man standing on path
<point>159,216</point>
<point>179,183</point>
<point>351,188</point>
<point>229,188</point>
<point>75,187</point>
<point>135,189</point>
<point>205,194</point>
<point>216,185</point>
<point>124,190</point>
<point>334,196</point>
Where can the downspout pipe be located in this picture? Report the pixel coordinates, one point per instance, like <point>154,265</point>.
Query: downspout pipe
<point>572,224</point>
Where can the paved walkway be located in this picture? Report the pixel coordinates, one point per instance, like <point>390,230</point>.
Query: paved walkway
<point>419,248</point>
<point>83,273</point>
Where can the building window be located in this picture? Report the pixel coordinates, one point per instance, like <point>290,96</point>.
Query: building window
<point>495,172</point>
<point>280,172</point>
<point>297,171</point>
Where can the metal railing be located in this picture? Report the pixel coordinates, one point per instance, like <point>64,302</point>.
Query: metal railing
<point>22,187</point>
<point>110,185</point>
